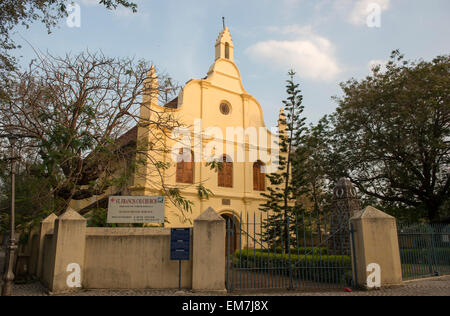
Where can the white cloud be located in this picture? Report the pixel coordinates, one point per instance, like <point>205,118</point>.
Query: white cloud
<point>310,55</point>
<point>357,11</point>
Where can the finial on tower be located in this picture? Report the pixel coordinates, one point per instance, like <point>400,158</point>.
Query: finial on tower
<point>224,44</point>
<point>151,89</point>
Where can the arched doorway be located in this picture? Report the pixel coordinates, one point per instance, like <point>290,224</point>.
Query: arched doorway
<point>233,234</point>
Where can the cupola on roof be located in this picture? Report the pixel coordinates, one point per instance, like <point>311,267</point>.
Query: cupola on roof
<point>224,45</point>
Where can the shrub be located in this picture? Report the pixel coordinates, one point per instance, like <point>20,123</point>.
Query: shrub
<point>424,255</point>
<point>300,250</point>
<point>316,268</point>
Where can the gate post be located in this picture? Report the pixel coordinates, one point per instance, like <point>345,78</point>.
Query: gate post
<point>69,243</point>
<point>47,225</point>
<point>208,273</point>
<point>375,245</point>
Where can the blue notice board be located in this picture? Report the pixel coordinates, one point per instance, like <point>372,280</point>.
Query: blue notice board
<point>180,244</point>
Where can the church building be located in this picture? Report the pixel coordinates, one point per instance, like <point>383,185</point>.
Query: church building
<point>216,109</point>
<point>220,103</point>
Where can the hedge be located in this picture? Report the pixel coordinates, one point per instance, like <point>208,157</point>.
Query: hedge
<point>317,268</point>
<point>300,250</point>
<point>421,256</point>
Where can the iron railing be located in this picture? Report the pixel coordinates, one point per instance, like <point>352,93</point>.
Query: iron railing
<point>424,250</point>
<point>315,254</point>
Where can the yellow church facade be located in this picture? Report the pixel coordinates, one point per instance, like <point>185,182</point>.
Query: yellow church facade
<point>222,120</point>
<point>219,120</point>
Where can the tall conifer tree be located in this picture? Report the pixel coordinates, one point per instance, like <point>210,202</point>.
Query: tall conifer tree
<point>289,182</point>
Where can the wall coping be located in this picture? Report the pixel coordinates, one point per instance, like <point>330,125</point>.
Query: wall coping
<point>71,215</point>
<point>371,213</point>
<point>209,216</point>
<point>50,219</point>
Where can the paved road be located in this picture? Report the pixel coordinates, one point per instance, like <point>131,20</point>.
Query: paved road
<point>427,287</point>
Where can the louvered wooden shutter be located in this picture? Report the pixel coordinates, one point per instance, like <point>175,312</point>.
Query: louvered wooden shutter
<point>259,177</point>
<point>229,175</point>
<point>220,178</point>
<point>256,176</point>
<point>226,174</point>
<point>180,173</point>
<point>188,172</point>
<point>185,170</point>
<point>262,179</point>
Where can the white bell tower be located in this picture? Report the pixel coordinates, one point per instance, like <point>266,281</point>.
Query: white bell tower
<point>224,45</point>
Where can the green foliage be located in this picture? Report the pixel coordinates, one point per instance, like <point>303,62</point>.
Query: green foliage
<point>425,255</point>
<point>215,165</point>
<point>317,268</point>
<point>390,136</point>
<point>78,132</point>
<point>98,218</point>
<point>289,181</point>
<point>174,194</point>
<point>72,137</point>
<point>316,145</point>
<point>204,192</point>
<point>26,12</point>
<point>255,256</point>
<point>34,202</point>
<point>300,251</point>
<point>403,214</point>
<point>4,221</point>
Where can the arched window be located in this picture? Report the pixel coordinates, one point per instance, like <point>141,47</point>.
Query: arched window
<point>185,168</point>
<point>259,176</point>
<point>226,173</point>
<point>227,51</point>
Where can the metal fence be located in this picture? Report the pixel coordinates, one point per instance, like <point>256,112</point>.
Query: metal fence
<point>304,251</point>
<point>424,250</point>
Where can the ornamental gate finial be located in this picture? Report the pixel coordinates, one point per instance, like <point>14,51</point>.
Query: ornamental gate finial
<point>345,205</point>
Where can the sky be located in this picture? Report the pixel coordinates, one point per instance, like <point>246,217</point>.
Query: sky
<point>325,41</point>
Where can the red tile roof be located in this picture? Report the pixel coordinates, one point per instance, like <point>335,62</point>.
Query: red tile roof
<point>172,104</point>
<point>128,137</point>
<point>132,134</point>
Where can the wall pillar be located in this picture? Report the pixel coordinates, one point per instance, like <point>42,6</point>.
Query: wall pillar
<point>209,252</point>
<point>69,244</point>
<point>376,246</point>
<point>33,251</point>
<point>47,227</point>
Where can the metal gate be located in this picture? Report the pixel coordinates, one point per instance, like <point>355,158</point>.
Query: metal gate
<point>424,250</point>
<point>304,251</point>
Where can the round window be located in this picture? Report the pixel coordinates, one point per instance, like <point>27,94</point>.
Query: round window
<point>224,109</point>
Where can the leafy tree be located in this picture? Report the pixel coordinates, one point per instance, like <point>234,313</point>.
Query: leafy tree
<point>75,117</point>
<point>33,202</point>
<point>391,135</point>
<point>289,182</point>
<point>316,145</point>
<point>26,12</point>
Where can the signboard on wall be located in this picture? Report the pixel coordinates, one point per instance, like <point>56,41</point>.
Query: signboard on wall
<point>136,209</point>
<point>180,243</point>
